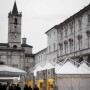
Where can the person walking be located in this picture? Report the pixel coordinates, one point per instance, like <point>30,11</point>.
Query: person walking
<point>29,88</point>
<point>25,87</point>
<point>1,86</point>
<point>18,87</point>
<point>36,88</point>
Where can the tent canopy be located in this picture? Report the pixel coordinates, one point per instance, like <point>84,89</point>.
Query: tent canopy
<point>7,71</point>
<point>69,68</point>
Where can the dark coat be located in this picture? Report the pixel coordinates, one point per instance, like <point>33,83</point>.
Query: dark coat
<point>36,88</point>
<point>18,88</point>
<point>29,88</point>
<point>26,87</point>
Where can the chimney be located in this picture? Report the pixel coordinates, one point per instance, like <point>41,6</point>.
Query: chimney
<point>24,40</point>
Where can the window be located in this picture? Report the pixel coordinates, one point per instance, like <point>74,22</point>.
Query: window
<point>80,41</point>
<point>54,46</point>
<point>61,48</point>
<point>80,23</point>
<point>88,18</point>
<point>15,21</point>
<point>49,49</point>
<point>88,37</point>
<point>61,34</point>
<point>66,31</point>
<point>71,45</point>
<point>66,46</point>
<point>71,27</point>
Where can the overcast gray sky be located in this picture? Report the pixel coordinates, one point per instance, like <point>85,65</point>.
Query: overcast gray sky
<point>38,16</point>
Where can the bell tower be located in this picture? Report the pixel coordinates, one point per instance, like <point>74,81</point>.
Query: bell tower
<point>14,28</point>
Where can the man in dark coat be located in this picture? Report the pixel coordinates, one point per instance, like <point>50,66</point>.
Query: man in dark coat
<point>25,87</point>
<point>36,88</point>
<point>18,87</point>
<point>0,86</point>
<point>29,88</point>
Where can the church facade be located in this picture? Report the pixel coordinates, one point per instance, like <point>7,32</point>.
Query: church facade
<point>14,53</point>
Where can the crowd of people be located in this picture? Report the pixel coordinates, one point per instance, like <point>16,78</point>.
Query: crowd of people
<point>16,87</point>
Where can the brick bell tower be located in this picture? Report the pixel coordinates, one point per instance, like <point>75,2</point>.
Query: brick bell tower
<point>14,28</point>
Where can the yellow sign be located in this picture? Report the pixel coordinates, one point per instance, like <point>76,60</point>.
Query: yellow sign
<point>50,84</point>
<point>40,84</point>
<point>30,83</point>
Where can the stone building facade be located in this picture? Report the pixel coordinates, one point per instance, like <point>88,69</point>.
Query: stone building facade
<point>70,39</point>
<point>74,36</point>
<point>14,53</point>
<point>48,54</point>
<point>41,57</point>
<point>52,45</point>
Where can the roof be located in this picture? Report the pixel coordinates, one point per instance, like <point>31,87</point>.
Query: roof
<point>52,28</point>
<point>26,45</point>
<point>11,49</point>
<point>10,71</point>
<point>69,68</point>
<point>29,55</point>
<point>4,44</point>
<point>48,66</point>
<point>15,10</point>
<point>84,68</point>
<point>41,51</point>
<point>71,18</point>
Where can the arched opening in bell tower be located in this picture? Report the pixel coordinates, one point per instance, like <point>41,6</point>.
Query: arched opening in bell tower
<point>15,21</point>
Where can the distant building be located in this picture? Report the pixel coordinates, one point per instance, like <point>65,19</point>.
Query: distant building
<point>14,53</point>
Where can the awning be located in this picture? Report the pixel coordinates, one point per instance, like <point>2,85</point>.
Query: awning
<point>7,71</point>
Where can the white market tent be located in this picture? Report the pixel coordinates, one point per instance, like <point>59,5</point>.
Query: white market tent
<point>69,68</point>
<point>70,77</point>
<point>38,68</point>
<point>9,79</point>
<point>84,67</point>
<point>57,67</point>
<point>66,68</point>
<point>48,66</point>
<point>7,71</point>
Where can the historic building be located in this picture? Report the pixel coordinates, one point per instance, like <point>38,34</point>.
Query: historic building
<point>48,54</point>
<point>70,39</point>
<point>52,45</point>
<point>14,53</point>
<point>41,57</point>
<point>74,36</point>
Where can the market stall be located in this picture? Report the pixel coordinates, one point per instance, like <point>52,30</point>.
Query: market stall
<point>7,71</point>
<point>70,77</point>
<point>30,80</point>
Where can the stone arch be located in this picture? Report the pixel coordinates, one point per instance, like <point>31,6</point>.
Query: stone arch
<point>15,47</point>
